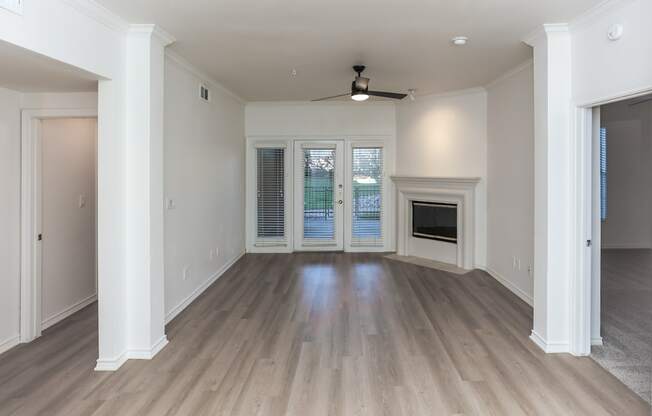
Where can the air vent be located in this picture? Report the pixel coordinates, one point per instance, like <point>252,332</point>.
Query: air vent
<point>204,93</point>
<point>15,6</point>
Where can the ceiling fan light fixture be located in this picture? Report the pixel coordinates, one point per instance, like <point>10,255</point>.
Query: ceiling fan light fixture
<point>359,96</point>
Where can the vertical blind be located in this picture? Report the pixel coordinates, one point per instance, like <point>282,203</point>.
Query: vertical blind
<point>367,193</point>
<point>270,190</point>
<point>603,173</point>
<point>318,194</point>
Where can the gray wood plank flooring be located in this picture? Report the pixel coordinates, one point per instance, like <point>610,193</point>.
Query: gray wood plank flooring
<point>322,334</point>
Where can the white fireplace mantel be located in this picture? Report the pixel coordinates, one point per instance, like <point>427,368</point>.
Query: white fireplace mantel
<point>454,190</point>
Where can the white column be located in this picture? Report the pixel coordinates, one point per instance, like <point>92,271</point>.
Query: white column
<point>145,199</point>
<point>553,234</point>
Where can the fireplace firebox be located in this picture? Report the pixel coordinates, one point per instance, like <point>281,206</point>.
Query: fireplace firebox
<point>434,221</point>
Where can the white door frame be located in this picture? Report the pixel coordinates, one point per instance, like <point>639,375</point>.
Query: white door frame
<point>340,192</point>
<point>30,215</point>
<point>585,283</point>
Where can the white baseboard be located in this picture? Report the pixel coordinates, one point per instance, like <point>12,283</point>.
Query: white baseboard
<point>597,342</point>
<point>195,294</point>
<point>549,347</point>
<point>509,285</point>
<point>55,319</point>
<point>9,343</point>
<point>113,364</point>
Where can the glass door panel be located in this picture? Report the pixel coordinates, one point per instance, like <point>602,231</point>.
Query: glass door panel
<point>319,192</point>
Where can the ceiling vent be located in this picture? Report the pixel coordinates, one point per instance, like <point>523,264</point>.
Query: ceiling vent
<point>15,6</point>
<point>204,93</point>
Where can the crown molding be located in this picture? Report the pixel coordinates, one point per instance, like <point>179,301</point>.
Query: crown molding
<point>454,93</point>
<point>597,12</point>
<point>204,77</point>
<point>153,30</point>
<point>100,14</point>
<point>544,30</point>
<point>520,68</point>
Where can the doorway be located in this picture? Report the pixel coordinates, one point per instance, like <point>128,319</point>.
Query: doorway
<point>59,216</point>
<point>622,341</point>
<point>67,237</point>
<point>319,196</point>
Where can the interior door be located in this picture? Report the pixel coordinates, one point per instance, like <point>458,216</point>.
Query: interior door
<point>319,196</point>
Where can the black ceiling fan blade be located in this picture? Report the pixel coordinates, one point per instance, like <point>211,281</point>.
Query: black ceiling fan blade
<point>393,95</point>
<point>332,96</point>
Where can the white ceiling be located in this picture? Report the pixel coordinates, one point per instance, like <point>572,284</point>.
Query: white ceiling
<point>251,46</point>
<point>25,71</point>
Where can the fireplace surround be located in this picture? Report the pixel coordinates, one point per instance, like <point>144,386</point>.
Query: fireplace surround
<point>444,193</point>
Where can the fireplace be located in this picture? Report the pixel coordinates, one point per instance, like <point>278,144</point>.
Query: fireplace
<point>434,221</point>
<point>451,237</point>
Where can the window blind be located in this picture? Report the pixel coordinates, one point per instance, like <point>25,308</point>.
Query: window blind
<point>318,194</point>
<point>270,188</point>
<point>603,173</point>
<point>367,195</point>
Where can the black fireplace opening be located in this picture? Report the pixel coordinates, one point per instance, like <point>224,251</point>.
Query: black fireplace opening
<point>434,221</point>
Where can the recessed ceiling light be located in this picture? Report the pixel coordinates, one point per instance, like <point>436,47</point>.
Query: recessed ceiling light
<point>459,40</point>
<point>294,72</point>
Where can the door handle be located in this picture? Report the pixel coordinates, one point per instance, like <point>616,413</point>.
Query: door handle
<point>340,202</point>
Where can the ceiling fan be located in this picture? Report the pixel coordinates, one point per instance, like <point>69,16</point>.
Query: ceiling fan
<point>360,89</point>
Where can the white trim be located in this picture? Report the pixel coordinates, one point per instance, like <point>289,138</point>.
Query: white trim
<point>154,31</point>
<point>453,93</point>
<point>205,78</point>
<point>30,290</point>
<point>100,14</point>
<point>9,343</point>
<point>549,347</point>
<point>507,75</point>
<point>114,364</point>
<point>195,294</point>
<point>525,297</point>
<point>58,317</point>
<point>597,342</point>
<point>111,364</point>
<point>150,353</point>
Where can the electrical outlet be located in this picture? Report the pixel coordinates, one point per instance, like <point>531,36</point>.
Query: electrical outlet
<point>186,273</point>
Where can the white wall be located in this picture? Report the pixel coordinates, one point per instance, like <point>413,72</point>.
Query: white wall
<point>510,185</point>
<point>68,176</point>
<point>446,135</point>
<point>11,104</point>
<point>324,119</point>
<point>629,195</point>
<point>9,217</point>
<point>205,177</point>
<point>603,69</point>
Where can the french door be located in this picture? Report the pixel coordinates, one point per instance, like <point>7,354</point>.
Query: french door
<point>319,195</point>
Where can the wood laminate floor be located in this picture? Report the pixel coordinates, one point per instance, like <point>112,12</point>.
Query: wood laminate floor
<point>322,334</point>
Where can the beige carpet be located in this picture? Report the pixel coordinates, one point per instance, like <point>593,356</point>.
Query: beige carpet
<point>627,318</point>
<point>428,263</point>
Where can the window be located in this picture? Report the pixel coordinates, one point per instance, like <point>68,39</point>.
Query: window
<point>270,189</point>
<point>603,173</point>
<point>318,190</point>
<point>367,196</point>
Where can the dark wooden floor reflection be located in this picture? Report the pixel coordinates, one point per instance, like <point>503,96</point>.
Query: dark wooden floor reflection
<point>322,334</point>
